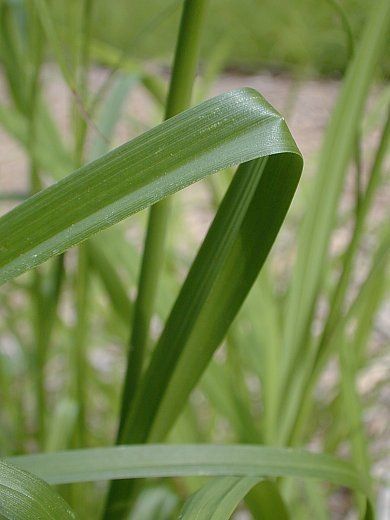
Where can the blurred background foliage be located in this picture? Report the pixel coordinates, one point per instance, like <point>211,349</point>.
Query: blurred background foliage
<point>303,35</point>
<point>344,411</point>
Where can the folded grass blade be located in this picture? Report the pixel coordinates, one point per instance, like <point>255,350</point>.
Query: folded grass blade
<point>226,130</point>
<point>223,272</point>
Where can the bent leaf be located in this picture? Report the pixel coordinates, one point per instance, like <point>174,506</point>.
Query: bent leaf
<point>232,128</point>
<point>217,499</point>
<point>218,282</point>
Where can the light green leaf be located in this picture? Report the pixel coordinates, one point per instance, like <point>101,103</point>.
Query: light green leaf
<point>110,113</point>
<point>120,462</point>
<point>217,499</point>
<point>337,150</point>
<point>313,245</point>
<point>224,270</point>
<point>24,496</point>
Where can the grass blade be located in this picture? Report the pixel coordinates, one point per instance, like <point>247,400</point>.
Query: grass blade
<point>224,270</point>
<point>179,98</point>
<point>24,496</point>
<point>337,150</point>
<point>314,241</point>
<point>231,128</point>
<point>120,462</point>
<point>217,499</point>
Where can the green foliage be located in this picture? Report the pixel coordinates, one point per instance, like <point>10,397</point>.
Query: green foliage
<point>180,460</point>
<point>224,364</point>
<point>140,173</point>
<point>305,34</point>
<point>24,496</point>
<point>218,499</point>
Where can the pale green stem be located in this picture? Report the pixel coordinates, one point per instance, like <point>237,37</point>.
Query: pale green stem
<point>81,60</point>
<point>179,98</point>
<point>336,318</point>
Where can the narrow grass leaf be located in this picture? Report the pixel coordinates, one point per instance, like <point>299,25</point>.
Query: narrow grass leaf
<point>120,462</point>
<point>223,272</point>
<point>337,150</point>
<point>320,216</point>
<point>218,499</point>
<point>24,496</point>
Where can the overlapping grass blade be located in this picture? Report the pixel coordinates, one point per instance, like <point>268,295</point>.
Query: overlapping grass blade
<point>337,150</point>
<point>320,217</point>
<point>24,496</point>
<point>224,270</point>
<point>365,293</point>
<point>218,499</point>
<point>231,128</point>
<point>120,462</point>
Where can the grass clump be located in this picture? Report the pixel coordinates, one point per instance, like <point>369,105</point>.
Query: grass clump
<point>223,358</point>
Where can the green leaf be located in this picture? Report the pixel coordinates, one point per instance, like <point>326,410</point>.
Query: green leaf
<point>229,260</point>
<point>321,213</point>
<point>225,268</point>
<point>120,462</point>
<point>217,499</point>
<point>24,496</point>
<point>226,130</point>
<point>265,501</point>
<point>337,150</point>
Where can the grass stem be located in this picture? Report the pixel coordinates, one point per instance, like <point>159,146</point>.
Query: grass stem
<point>179,98</point>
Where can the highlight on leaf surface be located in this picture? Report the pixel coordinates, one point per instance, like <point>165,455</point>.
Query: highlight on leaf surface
<point>229,129</point>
